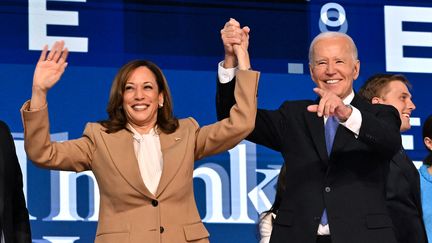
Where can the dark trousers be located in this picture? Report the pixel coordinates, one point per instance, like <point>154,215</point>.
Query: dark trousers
<point>323,239</point>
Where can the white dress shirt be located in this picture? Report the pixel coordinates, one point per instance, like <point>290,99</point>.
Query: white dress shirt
<point>149,155</point>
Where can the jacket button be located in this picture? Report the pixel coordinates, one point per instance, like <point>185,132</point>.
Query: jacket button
<point>327,189</point>
<point>154,203</point>
<point>161,230</point>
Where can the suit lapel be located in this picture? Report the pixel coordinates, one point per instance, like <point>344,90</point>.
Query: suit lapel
<point>174,148</point>
<point>343,135</point>
<point>316,127</point>
<point>121,149</point>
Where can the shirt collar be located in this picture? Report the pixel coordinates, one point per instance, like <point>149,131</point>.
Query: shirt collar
<point>349,98</point>
<point>137,135</point>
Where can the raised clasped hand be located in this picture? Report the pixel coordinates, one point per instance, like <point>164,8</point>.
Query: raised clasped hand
<point>235,41</point>
<point>50,66</point>
<point>330,105</point>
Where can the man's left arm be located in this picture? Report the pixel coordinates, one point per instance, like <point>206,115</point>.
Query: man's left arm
<point>20,215</point>
<point>378,127</point>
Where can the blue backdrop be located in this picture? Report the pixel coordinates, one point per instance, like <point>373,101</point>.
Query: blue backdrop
<point>183,38</point>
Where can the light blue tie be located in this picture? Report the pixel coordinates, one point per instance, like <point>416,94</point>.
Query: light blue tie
<point>330,131</point>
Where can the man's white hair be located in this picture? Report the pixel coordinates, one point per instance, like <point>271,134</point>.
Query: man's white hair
<point>332,34</point>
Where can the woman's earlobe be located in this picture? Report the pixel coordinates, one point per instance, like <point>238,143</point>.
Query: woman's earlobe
<point>428,143</point>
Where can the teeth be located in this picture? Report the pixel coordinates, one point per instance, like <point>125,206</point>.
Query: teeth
<point>332,81</point>
<point>139,107</point>
<point>406,115</point>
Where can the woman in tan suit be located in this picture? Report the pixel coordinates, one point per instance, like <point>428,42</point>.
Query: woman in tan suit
<point>142,156</point>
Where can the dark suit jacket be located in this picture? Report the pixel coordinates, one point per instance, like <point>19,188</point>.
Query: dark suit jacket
<point>350,183</point>
<point>403,200</point>
<point>14,215</point>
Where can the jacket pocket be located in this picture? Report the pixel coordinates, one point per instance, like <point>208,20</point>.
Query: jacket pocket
<point>112,233</point>
<point>195,231</point>
<point>284,217</point>
<point>376,221</point>
<point>117,237</point>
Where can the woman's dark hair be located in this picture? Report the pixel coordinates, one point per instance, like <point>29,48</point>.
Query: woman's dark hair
<point>280,189</point>
<point>117,120</point>
<point>427,132</point>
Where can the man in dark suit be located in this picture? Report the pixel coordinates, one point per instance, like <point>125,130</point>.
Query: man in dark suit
<point>14,224</point>
<point>403,182</point>
<point>336,195</point>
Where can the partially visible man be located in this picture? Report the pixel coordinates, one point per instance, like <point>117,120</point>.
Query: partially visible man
<point>403,181</point>
<point>334,190</point>
<point>14,217</point>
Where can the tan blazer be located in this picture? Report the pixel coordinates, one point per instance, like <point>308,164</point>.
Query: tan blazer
<point>129,213</point>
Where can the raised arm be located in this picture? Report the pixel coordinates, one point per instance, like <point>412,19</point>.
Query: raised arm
<point>49,68</point>
<point>71,155</point>
<point>240,119</point>
<point>236,42</point>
